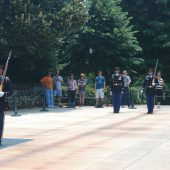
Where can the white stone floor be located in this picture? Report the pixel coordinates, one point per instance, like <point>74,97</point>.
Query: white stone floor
<point>87,139</point>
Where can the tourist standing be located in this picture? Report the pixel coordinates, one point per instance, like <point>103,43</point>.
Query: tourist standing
<point>125,98</point>
<point>47,83</point>
<point>72,90</point>
<point>82,88</point>
<point>58,81</point>
<point>100,85</point>
<point>159,89</point>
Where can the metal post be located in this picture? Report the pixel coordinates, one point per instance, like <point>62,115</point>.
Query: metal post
<point>138,95</point>
<point>142,98</point>
<point>107,99</point>
<point>15,104</point>
<point>68,97</point>
<point>131,99</point>
<point>164,98</point>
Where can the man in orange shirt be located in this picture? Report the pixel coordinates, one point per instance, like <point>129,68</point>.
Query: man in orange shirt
<point>47,83</point>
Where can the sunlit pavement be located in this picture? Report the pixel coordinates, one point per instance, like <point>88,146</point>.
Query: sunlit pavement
<point>87,139</point>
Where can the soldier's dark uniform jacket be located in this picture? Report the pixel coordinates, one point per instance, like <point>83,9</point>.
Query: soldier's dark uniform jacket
<point>116,83</point>
<point>150,92</point>
<point>6,89</point>
<point>148,84</point>
<point>116,86</point>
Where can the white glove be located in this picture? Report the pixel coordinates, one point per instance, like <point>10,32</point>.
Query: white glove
<point>141,91</point>
<point>1,94</point>
<point>153,84</point>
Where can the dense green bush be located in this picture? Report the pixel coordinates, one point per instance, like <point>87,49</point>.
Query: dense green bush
<point>137,97</point>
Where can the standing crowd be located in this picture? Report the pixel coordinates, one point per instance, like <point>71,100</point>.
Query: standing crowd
<point>52,85</point>
<point>119,89</point>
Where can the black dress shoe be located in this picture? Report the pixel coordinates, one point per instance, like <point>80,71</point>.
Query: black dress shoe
<point>149,112</point>
<point>60,106</point>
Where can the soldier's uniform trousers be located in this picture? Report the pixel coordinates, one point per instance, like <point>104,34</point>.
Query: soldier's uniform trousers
<point>150,102</point>
<point>1,123</point>
<point>116,101</point>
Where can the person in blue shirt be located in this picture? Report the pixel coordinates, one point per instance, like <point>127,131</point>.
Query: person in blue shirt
<point>100,85</point>
<point>57,90</point>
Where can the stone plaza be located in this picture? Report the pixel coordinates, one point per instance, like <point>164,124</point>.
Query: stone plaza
<point>87,139</point>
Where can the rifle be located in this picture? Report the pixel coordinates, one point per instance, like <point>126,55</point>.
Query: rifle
<point>154,76</point>
<point>5,71</point>
<point>156,66</point>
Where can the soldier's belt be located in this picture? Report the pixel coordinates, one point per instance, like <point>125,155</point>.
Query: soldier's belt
<point>116,84</point>
<point>150,87</point>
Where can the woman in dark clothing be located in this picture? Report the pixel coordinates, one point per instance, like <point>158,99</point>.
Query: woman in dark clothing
<point>159,89</point>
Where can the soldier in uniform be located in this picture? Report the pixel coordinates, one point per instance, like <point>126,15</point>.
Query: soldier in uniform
<point>116,88</point>
<point>149,83</point>
<point>6,87</point>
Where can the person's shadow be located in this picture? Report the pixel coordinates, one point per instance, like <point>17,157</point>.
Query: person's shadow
<point>8,142</point>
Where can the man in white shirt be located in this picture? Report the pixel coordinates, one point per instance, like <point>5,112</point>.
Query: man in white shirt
<point>58,81</point>
<point>126,92</point>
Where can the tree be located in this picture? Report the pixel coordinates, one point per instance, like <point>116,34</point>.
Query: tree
<point>34,29</point>
<point>111,36</point>
<point>151,18</point>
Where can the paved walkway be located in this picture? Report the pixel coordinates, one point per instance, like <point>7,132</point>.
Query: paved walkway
<point>87,139</point>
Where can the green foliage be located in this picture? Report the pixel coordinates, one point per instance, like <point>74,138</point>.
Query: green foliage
<point>111,36</point>
<point>34,30</point>
<point>151,18</point>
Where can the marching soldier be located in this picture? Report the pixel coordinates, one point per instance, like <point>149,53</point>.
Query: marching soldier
<point>6,87</point>
<point>116,87</point>
<point>149,83</point>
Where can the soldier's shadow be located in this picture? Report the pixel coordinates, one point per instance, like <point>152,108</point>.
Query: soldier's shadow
<point>8,142</point>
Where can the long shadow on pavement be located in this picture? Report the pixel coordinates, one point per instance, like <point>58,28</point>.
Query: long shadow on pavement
<point>8,142</point>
